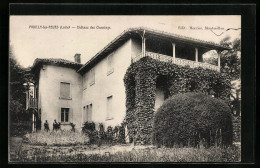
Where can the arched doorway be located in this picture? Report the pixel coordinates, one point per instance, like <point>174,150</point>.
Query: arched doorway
<point>162,92</point>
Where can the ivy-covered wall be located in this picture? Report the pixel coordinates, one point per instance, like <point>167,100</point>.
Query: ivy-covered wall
<point>140,83</point>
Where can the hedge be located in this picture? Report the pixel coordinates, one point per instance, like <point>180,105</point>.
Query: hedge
<point>190,118</point>
<point>140,82</point>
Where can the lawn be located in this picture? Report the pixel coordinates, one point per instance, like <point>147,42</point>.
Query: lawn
<point>75,148</point>
<point>56,138</point>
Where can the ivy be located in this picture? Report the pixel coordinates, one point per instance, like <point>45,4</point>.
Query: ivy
<point>140,82</point>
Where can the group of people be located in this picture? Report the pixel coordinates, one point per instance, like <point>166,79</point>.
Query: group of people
<point>56,125</point>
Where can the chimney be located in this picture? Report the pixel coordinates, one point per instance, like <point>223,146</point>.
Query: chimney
<point>77,58</point>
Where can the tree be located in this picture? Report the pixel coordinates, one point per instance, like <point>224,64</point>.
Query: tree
<point>230,59</point>
<point>230,65</point>
<point>17,78</point>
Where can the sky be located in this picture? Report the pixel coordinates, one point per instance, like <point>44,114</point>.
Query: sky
<point>29,43</point>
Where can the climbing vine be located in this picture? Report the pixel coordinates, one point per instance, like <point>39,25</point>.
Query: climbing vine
<point>141,81</point>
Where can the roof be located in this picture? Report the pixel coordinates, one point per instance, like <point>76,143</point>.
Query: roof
<point>149,32</point>
<point>38,62</point>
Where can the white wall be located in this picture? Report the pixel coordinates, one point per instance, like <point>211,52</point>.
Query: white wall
<point>49,93</point>
<point>83,94</point>
<point>108,85</point>
<point>136,47</point>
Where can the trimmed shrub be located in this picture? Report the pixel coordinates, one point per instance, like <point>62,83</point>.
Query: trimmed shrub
<point>190,118</point>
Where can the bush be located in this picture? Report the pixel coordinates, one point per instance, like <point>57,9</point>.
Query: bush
<point>89,126</point>
<point>100,136</point>
<point>89,129</point>
<point>192,118</point>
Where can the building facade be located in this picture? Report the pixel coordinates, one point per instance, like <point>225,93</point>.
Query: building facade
<point>70,92</point>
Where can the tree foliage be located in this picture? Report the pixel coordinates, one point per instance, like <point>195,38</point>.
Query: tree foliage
<point>230,59</point>
<point>231,65</point>
<point>17,99</point>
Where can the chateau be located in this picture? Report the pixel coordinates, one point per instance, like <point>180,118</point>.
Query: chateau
<point>68,91</point>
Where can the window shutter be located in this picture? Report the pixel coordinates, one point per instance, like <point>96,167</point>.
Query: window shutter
<point>109,106</point>
<point>86,113</point>
<point>92,76</point>
<point>67,90</point>
<point>59,115</point>
<point>110,66</point>
<point>71,115</point>
<point>90,113</point>
<point>83,114</point>
<point>109,62</point>
<point>64,90</point>
<point>61,90</point>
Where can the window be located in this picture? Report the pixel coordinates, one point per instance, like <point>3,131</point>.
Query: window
<point>65,90</point>
<point>88,112</point>
<point>84,113</point>
<point>92,77</point>
<point>109,108</point>
<point>85,79</point>
<point>110,66</point>
<point>65,115</point>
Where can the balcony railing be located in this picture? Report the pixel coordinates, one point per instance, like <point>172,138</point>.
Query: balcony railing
<point>32,103</point>
<point>178,61</point>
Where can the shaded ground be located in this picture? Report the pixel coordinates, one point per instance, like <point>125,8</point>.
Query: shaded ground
<point>15,146</point>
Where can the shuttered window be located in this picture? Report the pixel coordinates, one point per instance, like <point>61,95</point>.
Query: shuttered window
<point>92,77</point>
<point>86,119</point>
<point>110,66</point>
<point>84,113</point>
<point>85,79</point>
<point>88,113</point>
<point>109,108</point>
<point>65,90</point>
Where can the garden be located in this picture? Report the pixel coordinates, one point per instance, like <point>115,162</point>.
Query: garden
<point>75,147</point>
<point>200,134</point>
